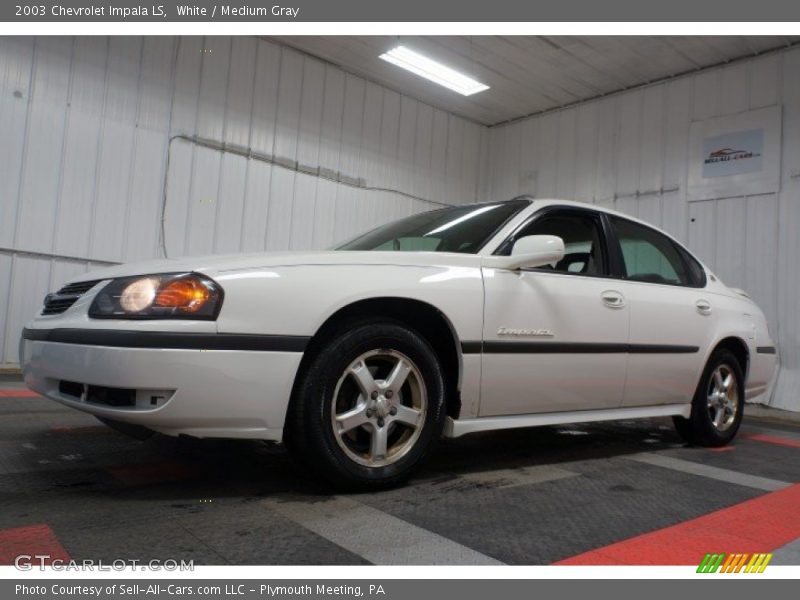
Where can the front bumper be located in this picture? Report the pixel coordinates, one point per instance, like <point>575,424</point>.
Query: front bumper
<point>197,392</point>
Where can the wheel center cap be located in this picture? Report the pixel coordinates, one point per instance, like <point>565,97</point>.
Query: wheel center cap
<point>382,406</point>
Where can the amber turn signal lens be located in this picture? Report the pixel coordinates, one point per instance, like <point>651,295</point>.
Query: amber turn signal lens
<point>187,294</point>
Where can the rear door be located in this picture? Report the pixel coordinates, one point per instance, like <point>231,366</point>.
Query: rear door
<point>671,315</point>
<point>555,338</point>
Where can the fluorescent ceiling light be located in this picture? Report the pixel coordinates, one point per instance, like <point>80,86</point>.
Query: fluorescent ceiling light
<point>433,71</point>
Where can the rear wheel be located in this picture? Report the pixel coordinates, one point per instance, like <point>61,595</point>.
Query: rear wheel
<point>718,404</point>
<point>370,406</point>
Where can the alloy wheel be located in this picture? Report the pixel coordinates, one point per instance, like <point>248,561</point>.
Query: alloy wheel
<point>723,397</point>
<point>379,408</point>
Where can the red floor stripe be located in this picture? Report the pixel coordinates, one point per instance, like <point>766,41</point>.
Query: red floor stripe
<point>18,394</point>
<point>773,439</point>
<point>759,525</point>
<point>30,540</point>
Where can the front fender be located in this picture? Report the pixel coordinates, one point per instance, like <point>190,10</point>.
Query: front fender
<point>297,300</point>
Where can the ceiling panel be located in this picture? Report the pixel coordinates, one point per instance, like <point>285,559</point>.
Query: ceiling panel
<point>530,74</point>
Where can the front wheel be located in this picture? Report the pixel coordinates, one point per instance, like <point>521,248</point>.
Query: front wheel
<point>718,404</point>
<point>369,407</point>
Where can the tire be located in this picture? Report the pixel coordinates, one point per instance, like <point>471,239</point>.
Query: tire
<point>388,383</point>
<point>718,403</point>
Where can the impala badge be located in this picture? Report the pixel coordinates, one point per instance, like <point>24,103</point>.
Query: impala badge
<point>525,332</point>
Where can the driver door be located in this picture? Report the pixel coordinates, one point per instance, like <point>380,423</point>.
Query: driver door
<point>555,338</point>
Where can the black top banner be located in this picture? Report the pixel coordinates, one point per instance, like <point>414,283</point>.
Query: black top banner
<point>402,11</point>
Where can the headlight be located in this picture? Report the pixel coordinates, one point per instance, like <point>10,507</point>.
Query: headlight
<point>165,296</point>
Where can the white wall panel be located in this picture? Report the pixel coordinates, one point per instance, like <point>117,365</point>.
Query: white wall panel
<point>631,155</point>
<point>347,214</point>
<point>261,139</point>
<point>674,208</point>
<point>454,162</point>
<point>390,124</point>
<point>439,151</point>
<point>6,263</point>
<point>30,278</point>
<point>761,243</point>
<point>423,148</point>
<point>566,149</point>
<point>254,219</point>
<point>229,205</point>
<point>179,188</point>
<point>703,231</point>
<point>586,152</point>
<point>766,73</point>
<point>85,149</point>
<point>186,83</point>
<point>788,275</point>
<point>471,168</point>
<point>330,144</point>
<point>308,142</point>
<point>547,150</point>
<point>605,165</point>
<point>15,101</point>
<point>406,137</point>
<point>83,131</point>
<point>116,148</point>
<point>629,140</point>
<point>142,231</point>
<point>43,155</point>
<point>651,143</point>
<point>202,202</point>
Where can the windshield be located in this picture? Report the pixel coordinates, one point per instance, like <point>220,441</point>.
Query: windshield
<point>458,229</point>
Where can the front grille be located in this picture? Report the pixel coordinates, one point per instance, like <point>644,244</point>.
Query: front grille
<point>55,304</point>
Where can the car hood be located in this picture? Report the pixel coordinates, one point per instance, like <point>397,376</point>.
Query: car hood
<point>214,264</point>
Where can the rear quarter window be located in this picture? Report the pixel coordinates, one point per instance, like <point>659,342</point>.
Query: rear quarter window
<point>652,257</point>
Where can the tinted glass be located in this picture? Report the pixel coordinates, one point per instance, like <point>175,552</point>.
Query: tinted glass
<point>459,229</point>
<point>697,274</point>
<point>650,256</point>
<point>583,246</point>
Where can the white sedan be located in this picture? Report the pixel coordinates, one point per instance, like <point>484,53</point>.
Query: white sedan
<point>464,319</point>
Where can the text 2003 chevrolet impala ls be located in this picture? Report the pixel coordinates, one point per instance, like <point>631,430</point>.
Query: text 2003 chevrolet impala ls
<point>464,319</point>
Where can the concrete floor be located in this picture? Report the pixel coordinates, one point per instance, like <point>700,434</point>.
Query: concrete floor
<point>615,493</point>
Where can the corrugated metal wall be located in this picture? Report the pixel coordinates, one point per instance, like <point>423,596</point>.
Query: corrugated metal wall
<point>629,151</point>
<point>85,129</point>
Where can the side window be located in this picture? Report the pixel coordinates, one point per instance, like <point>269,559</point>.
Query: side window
<point>583,245</point>
<point>697,274</point>
<point>650,256</point>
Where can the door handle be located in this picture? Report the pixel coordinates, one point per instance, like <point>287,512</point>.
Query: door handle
<point>613,299</point>
<point>703,307</point>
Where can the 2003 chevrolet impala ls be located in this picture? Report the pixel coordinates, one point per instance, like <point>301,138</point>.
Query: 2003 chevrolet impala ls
<point>464,319</point>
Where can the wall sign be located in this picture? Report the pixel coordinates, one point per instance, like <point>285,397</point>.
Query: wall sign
<point>736,155</point>
<point>733,153</point>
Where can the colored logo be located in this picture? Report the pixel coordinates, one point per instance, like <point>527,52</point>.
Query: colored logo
<point>726,154</point>
<point>734,563</point>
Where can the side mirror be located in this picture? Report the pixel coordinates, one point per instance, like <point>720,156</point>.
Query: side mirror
<point>529,252</point>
